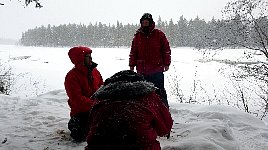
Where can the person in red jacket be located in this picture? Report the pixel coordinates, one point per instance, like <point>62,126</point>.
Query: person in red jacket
<point>80,84</point>
<point>128,115</point>
<point>150,53</point>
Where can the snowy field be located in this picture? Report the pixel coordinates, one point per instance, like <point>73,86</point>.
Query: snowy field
<point>36,113</point>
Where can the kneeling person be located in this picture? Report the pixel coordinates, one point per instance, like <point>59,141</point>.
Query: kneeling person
<point>128,114</point>
<point>80,84</point>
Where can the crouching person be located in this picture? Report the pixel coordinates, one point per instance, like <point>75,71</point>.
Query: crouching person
<point>128,115</point>
<point>80,84</point>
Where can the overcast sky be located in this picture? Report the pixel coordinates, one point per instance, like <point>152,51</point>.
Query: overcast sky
<point>15,19</point>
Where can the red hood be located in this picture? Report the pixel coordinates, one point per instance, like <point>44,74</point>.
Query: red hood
<point>77,54</point>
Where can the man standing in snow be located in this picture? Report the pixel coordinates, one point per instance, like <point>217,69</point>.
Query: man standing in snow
<point>80,84</point>
<point>128,115</point>
<point>151,54</point>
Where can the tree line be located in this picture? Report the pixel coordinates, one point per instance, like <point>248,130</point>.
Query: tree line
<point>193,33</point>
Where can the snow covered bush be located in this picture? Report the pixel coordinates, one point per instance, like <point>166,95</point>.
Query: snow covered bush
<point>6,79</point>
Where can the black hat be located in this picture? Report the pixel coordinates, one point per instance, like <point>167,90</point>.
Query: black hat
<point>147,16</point>
<point>125,75</point>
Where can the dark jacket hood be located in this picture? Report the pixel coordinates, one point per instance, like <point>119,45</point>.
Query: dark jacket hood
<point>124,90</point>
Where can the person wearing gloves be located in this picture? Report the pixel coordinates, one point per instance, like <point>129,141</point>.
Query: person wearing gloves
<point>80,84</point>
<point>128,115</point>
<point>150,53</point>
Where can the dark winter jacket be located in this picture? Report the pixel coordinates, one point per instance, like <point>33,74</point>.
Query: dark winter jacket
<point>150,52</point>
<point>81,82</point>
<point>127,116</point>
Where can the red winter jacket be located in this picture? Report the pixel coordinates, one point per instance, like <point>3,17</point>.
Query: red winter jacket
<point>79,84</point>
<point>150,53</point>
<point>128,116</point>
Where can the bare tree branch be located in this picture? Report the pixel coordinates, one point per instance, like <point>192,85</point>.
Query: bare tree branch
<point>27,2</point>
<point>37,5</point>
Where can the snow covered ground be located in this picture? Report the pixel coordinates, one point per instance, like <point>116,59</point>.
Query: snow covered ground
<point>36,113</point>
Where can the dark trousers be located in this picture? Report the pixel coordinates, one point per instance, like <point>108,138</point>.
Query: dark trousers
<point>158,80</point>
<point>78,125</point>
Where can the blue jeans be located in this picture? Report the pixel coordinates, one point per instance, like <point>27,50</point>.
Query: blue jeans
<point>158,80</point>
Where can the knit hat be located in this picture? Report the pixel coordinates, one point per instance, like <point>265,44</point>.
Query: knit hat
<point>77,54</point>
<point>147,16</point>
<point>125,75</point>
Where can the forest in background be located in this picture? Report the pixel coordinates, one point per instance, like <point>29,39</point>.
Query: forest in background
<point>183,33</point>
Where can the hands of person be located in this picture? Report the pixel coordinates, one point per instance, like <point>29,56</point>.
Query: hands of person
<point>166,68</point>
